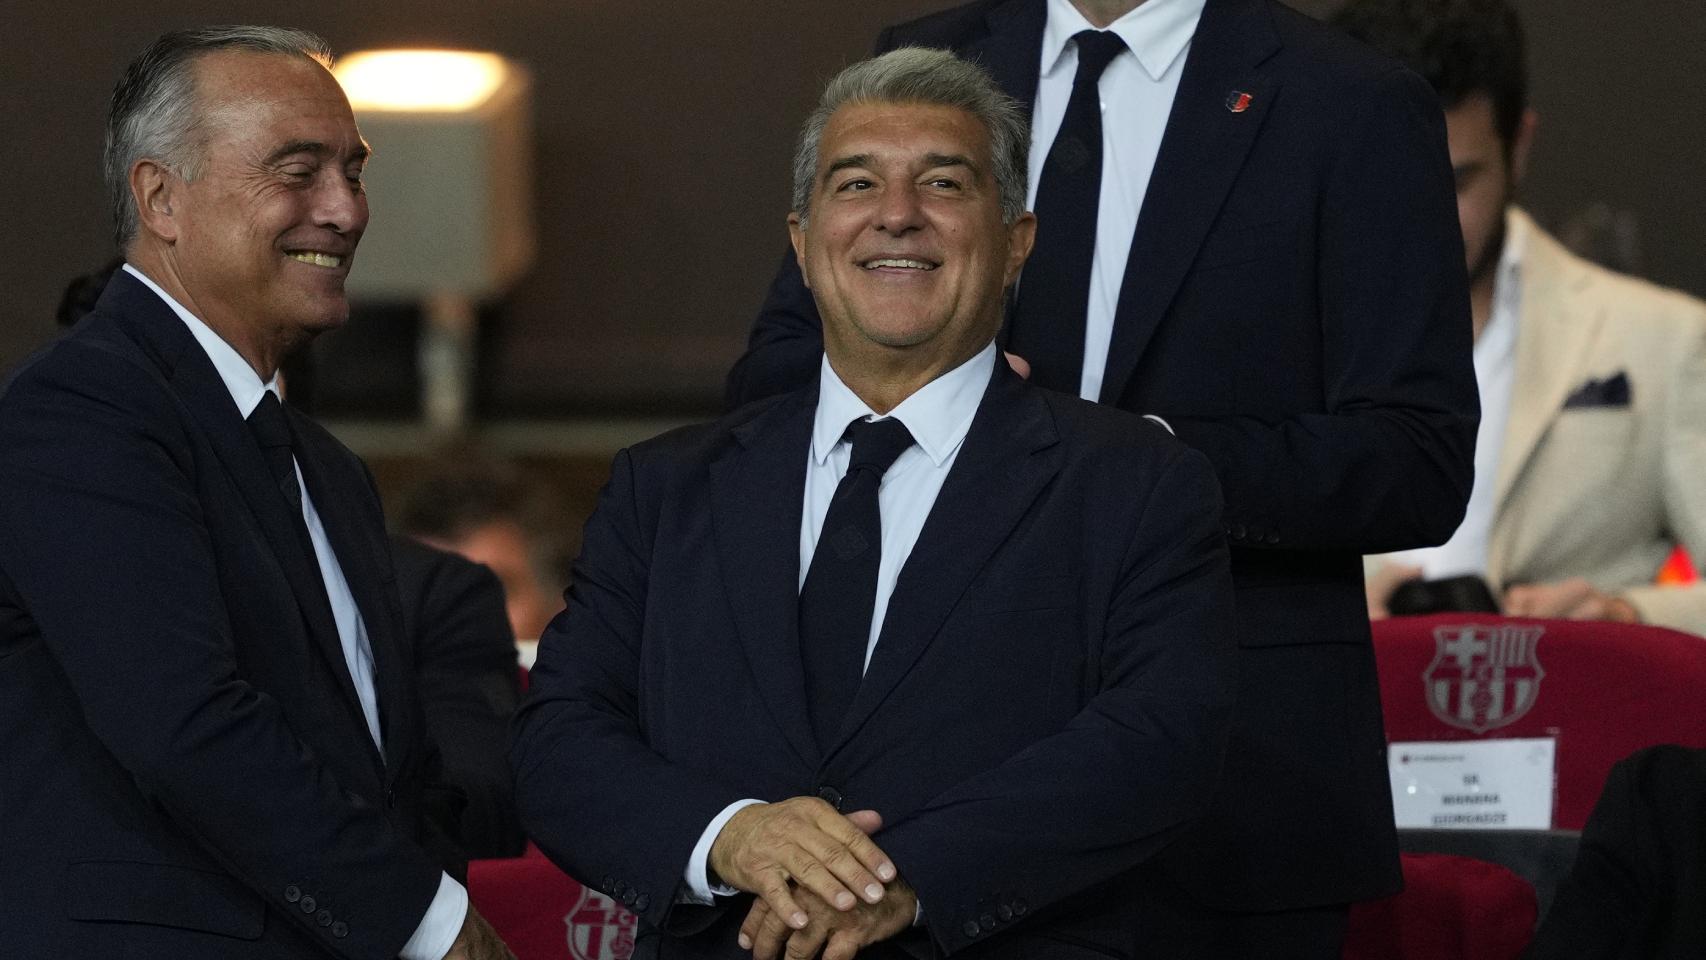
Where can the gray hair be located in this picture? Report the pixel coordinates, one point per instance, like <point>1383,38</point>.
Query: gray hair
<point>921,75</point>
<point>155,111</point>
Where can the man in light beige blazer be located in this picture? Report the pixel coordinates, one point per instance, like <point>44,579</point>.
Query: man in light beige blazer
<point>1591,457</point>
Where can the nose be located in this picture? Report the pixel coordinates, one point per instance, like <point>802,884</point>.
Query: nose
<point>899,210</point>
<point>340,204</point>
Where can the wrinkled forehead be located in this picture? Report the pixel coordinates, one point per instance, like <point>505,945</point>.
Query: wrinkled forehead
<point>268,99</point>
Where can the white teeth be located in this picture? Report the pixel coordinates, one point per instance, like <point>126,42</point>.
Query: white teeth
<point>317,259</point>
<point>895,262</point>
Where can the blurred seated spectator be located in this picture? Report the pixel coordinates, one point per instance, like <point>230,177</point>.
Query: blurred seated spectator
<point>1638,887</point>
<point>465,668</point>
<point>1592,444</point>
<point>484,510</point>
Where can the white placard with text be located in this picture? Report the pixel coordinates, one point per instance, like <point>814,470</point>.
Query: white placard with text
<point>1473,784</point>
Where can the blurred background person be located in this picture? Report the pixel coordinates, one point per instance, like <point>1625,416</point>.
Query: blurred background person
<point>1592,444</point>
<point>484,509</point>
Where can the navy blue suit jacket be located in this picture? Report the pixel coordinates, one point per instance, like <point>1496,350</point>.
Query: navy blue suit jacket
<point>1295,306</point>
<point>1045,707</point>
<point>184,767</point>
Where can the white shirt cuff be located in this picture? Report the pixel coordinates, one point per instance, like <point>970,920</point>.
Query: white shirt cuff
<point>443,921</point>
<point>1164,424</point>
<point>698,887</point>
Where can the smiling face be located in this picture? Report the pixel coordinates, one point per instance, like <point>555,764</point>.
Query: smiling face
<point>904,248</point>
<point>261,241</point>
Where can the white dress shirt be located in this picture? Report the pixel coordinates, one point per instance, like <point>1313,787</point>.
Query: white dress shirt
<point>1495,377</point>
<point>443,920</point>
<point>1137,90</point>
<point>938,416</point>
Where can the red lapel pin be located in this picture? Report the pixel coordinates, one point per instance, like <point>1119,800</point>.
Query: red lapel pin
<point>1238,101</point>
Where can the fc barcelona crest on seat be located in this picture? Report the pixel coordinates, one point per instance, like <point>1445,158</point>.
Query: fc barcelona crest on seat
<point>1483,677</point>
<point>599,929</point>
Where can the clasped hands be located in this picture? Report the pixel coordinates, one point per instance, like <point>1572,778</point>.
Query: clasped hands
<point>821,883</point>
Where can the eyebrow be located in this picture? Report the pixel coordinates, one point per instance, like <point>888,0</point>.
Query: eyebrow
<point>316,148</point>
<point>931,160</point>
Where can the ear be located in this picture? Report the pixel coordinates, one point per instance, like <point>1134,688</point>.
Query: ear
<point>1020,237</point>
<point>797,237</point>
<point>1521,141</point>
<point>155,191</point>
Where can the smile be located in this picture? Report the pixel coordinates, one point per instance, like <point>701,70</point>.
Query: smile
<point>316,258</point>
<point>898,262</point>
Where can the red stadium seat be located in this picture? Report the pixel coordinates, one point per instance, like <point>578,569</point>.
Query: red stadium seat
<point>1452,908</point>
<point>1604,690</point>
<point>544,914</point>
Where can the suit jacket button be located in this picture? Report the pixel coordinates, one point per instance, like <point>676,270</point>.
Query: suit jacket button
<point>831,796</point>
<point>1238,531</point>
<point>308,904</point>
<point>643,901</point>
<point>1019,908</point>
<point>323,918</point>
<point>1270,538</point>
<point>608,885</point>
<point>1004,913</point>
<point>971,928</point>
<point>340,929</point>
<point>629,896</point>
<point>987,922</point>
<point>292,893</point>
<point>616,891</point>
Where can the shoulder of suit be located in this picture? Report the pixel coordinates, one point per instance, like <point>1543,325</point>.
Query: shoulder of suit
<point>1636,305</point>
<point>706,440</point>
<point>1341,69</point>
<point>1103,428</point>
<point>93,358</point>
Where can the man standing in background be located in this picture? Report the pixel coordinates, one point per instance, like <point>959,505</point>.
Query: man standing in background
<point>1246,230</point>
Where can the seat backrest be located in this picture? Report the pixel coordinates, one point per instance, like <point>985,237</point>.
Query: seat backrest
<point>1604,690</point>
<point>544,914</point>
<point>1452,908</point>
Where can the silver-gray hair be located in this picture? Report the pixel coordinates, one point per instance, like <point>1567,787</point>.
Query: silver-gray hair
<point>921,75</point>
<point>155,112</point>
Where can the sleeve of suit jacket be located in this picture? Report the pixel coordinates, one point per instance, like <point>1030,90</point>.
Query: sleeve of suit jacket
<point>100,511</point>
<point>579,754</point>
<point>1387,462</point>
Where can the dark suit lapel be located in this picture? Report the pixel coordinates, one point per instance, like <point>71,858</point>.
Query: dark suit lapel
<point>193,378</point>
<point>757,495</point>
<point>1013,48</point>
<point>1010,453</point>
<point>1202,150</point>
<point>364,559</point>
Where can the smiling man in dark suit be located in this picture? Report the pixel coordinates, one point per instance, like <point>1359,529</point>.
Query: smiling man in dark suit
<point>1246,230</point>
<point>211,745</point>
<point>921,598</point>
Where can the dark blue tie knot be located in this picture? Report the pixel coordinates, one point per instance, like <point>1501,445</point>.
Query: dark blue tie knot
<point>876,444</point>
<point>268,423</point>
<point>1096,48</point>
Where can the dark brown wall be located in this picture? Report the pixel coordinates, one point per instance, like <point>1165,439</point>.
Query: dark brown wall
<point>664,132</point>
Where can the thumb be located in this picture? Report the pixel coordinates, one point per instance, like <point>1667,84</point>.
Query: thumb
<point>867,820</point>
<point>1020,365</point>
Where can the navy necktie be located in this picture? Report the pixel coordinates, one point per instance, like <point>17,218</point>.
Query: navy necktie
<point>840,592</point>
<point>272,432</point>
<point>1054,290</point>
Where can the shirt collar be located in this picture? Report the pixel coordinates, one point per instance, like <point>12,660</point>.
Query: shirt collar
<point>938,415</point>
<point>1507,280</point>
<point>240,378</point>
<point>1156,32</point>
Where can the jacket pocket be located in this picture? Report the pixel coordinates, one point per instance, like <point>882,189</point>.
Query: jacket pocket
<point>162,894</point>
